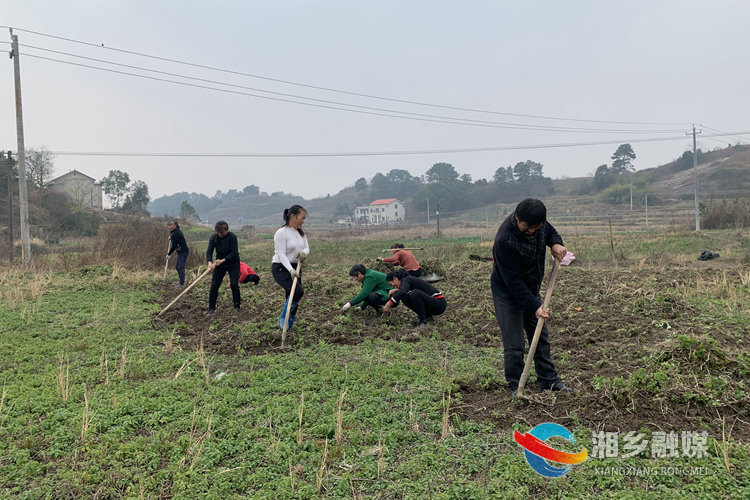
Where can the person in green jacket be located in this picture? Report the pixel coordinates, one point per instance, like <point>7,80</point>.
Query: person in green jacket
<point>374,289</point>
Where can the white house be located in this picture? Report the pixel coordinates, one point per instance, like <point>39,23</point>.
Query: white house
<point>81,188</point>
<point>383,211</point>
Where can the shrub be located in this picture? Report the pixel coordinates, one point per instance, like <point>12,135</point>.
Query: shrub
<point>727,215</point>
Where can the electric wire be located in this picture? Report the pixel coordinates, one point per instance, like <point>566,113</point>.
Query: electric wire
<point>518,126</point>
<point>328,89</point>
<point>376,153</point>
<point>415,118</point>
<point>722,132</point>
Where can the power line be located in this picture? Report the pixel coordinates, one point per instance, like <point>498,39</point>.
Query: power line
<point>424,118</point>
<point>376,153</point>
<point>518,126</point>
<point>722,132</point>
<point>328,89</point>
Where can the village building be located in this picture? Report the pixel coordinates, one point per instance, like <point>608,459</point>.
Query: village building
<point>80,188</point>
<point>384,211</point>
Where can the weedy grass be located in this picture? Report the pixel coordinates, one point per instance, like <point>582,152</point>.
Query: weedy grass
<point>377,419</point>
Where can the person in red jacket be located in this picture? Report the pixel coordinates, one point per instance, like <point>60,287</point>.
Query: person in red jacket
<point>247,275</point>
<point>405,259</point>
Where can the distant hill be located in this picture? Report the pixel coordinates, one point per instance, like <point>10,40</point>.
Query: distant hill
<point>264,210</point>
<point>723,173</point>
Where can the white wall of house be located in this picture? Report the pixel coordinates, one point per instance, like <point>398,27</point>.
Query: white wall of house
<point>382,213</point>
<point>82,189</point>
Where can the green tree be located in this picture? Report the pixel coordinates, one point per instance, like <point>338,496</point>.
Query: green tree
<point>442,173</point>
<point>251,189</point>
<point>115,186</point>
<point>503,175</point>
<point>623,159</point>
<point>603,178</point>
<point>139,196</point>
<point>380,186</point>
<point>187,211</point>
<point>361,185</point>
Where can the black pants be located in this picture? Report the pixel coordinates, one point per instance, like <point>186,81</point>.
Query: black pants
<point>180,267</point>
<point>252,278</point>
<point>218,277</point>
<point>513,321</point>
<point>416,273</point>
<point>424,305</point>
<point>284,279</point>
<point>373,300</point>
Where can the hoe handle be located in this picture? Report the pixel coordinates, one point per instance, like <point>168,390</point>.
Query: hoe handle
<point>187,289</point>
<point>289,305</point>
<point>397,249</point>
<point>166,263</point>
<point>538,331</point>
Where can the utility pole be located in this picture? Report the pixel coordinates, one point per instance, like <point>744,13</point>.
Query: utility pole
<point>695,179</point>
<point>428,210</point>
<point>23,194</point>
<point>646,210</point>
<point>437,214</point>
<point>631,189</point>
<point>10,204</point>
<point>486,219</point>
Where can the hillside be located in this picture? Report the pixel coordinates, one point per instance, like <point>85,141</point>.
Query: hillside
<point>721,173</point>
<point>263,210</point>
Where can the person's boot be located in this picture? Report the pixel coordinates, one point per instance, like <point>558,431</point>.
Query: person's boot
<point>292,315</point>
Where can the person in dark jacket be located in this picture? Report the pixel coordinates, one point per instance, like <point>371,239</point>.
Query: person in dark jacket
<point>416,294</point>
<point>519,252</point>
<point>224,243</point>
<point>177,244</point>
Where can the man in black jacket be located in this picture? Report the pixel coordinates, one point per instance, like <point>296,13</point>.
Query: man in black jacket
<point>227,261</point>
<point>519,253</point>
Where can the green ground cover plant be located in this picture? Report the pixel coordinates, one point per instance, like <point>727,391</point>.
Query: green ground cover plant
<point>101,400</point>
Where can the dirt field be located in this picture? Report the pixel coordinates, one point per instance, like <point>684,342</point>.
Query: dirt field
<point>655,348</point>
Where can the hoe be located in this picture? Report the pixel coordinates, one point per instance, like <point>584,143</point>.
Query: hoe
<point>537,333</point>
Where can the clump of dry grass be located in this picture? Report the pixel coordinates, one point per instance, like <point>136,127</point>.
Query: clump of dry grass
<point>339,419</point>
<point>196,441</point>
<point>63,376</point>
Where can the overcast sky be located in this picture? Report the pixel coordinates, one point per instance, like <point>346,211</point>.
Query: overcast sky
<point>641,61</point>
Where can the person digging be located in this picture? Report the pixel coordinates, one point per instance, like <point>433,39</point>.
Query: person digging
<point>224,243</point>
<point>519,253</point>
<point>374,291</point>
<point>247,275</point>
<point>418,295</point>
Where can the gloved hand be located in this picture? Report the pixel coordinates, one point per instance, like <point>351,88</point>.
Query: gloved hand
<point>293,273</point>
<point>346,307</point>
<point>168,256</point>
<point>302,256</point>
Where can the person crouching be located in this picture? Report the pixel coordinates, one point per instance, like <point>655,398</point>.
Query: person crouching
<point>416,294</point>
<point>374,289</point>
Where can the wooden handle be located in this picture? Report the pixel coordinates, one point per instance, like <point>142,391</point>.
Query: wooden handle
<point>538,331</point>
<point>397,249</point>
<point>186,290</point>
<point>169,245</point>
<point>289,305</point>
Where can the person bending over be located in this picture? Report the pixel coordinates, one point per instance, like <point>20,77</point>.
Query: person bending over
<point>405,259</point>
<point>247,275</point>
<point>416,294</point>
<point>224,243</point>
<point>374,289</point>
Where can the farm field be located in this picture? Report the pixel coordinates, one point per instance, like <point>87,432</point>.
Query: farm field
<point>102,399</point>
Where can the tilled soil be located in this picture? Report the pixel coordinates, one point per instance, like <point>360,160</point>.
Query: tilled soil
<point>605,324</point>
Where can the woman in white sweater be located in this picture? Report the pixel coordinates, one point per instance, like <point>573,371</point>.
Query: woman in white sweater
<point>290,247</point>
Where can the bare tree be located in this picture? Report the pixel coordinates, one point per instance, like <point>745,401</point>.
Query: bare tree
<point>40,164</point>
